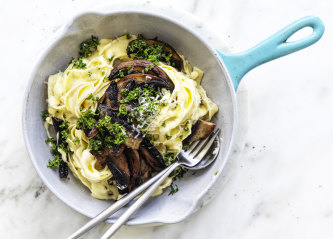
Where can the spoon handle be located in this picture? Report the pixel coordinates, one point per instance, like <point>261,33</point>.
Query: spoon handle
<point>138,203</point>
<point>115,206</point>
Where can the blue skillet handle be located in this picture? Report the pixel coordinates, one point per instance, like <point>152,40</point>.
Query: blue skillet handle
<point>239,64</point>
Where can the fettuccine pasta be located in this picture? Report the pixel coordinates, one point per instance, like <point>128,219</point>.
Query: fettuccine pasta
<point>78,89</point>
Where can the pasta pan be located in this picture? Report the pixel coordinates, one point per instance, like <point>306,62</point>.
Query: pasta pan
<point>222,75</point>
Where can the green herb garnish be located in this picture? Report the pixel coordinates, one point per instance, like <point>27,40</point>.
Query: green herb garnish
<point>53,144</point>
<point>109,135</point>
<point>121,73</point>
<point>149,101</point>
<point>64,129</point>
<point>169,158</point>
<point>186,126</point>
<point>65,147</point>
<point>154,53</point>
<point>86,121</point>
<point>185,147</point>
<point>96,145</point>
<point>131,95</point>
<point>148,68</point>
<point>45,114</point>
<point>78,63</point>
<point>140,37</point>
<point>173,189</point>
<point>111,58</point>
<point>50,140</point>
<point>88,47</point>
<point>124,92</point>
<point>91,97</point>
<point>55,162</point>
<point>122,110</point>
<point>76,140</point>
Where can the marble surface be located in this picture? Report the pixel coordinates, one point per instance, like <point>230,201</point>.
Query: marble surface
<point>280,185</point>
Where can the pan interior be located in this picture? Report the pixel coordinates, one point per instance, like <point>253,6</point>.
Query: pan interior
<point>192,187</point>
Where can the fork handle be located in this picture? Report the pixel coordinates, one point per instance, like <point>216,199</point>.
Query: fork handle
<point>115,206</point>
<point>139,202</point>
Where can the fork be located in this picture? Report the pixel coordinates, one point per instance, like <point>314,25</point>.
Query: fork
<point>188,159</point>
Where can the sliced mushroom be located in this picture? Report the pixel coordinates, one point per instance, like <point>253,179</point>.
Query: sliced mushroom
<point>200,130</point>
<point>139,66</point>
<point>92,133</point>
<point>118,166</point>
<point>134,164</point>
<point>130,82</point>
<point>155,81</point>
<point>146,170</point>
<point>63,169</point>
<point>111,96</point>
<point>101,157</point>
<point>56,123</point>
<point>133,141</point>
<point>153,158</point>
<point>176,61</point>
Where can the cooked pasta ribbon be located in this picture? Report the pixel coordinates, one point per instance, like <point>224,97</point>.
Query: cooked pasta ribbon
<point>68,94</point>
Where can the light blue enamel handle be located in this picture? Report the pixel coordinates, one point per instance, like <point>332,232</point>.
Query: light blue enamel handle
<point>239,64</point>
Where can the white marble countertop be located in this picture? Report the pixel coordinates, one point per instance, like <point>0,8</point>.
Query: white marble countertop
<point>281,185</point>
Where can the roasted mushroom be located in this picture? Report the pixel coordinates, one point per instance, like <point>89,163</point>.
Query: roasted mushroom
<point>63,169</point>
<point>111,96</point>
<point>152,156</point>
<point>93,132</point>
<point>101,156</point>
<point>200,130</point>
<point>175,60</point>
<point>146,170</point>
<point>106,110</point>
<point>130,82</point>
<point>118,166</point>
<point>138,66</point>
<point>133,141</point>
<point>56,124</point>
<point>134,163</point>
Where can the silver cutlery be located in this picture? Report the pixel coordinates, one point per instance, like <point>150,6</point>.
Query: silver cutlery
<point>190,159</point>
